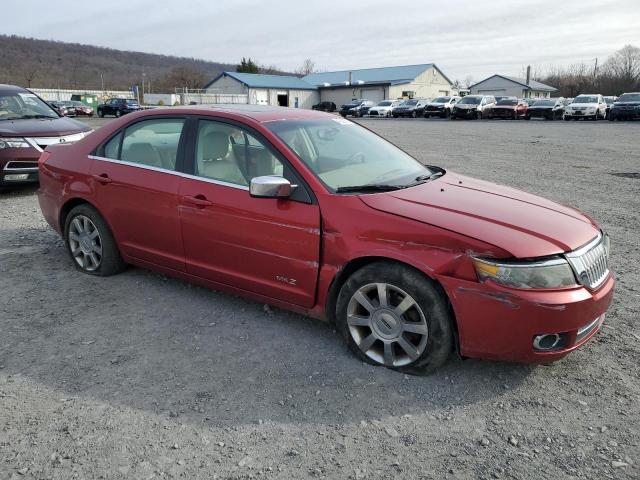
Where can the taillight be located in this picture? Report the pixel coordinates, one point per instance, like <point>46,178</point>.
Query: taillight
<point>44,156</point>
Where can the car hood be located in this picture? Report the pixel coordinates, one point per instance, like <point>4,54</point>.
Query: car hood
<point>626,104</point>
<point>593,105</point>
<point>523,224</point>
<point>541,107</point>
<point>37,127</point>
<point>467,105</point>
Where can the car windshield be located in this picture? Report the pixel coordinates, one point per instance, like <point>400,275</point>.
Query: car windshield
<point>629,97</point>
<point>77,103</point>
<point>411,102</point>
<point>507,101</point>
<point>23,105</point>
<point>544,103</point>
<point>586,99</point>
<point>344,154</point>
<point>470,100</point>
<point>440,100</point>
<point>132,102</point>
<point>384,104</point>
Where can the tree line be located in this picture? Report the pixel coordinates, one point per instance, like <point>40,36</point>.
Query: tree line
<point>619,73</point>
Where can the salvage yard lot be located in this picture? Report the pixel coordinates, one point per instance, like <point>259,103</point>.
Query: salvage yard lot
<point>143,376</point>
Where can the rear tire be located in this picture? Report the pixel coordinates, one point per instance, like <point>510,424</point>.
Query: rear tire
<point>414,339</point>
<point>90,243</point>
<point>100,113</point>
<point>118,113</point>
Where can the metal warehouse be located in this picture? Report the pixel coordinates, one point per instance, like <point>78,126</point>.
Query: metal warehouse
<point>511,86</point>
<point>408,81</point>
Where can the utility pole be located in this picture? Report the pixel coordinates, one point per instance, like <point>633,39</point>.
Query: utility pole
<point>595,69</point>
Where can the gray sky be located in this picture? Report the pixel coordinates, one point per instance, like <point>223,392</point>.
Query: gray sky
<point>464,37</point>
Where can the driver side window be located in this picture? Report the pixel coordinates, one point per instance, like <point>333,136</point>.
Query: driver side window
<point>231,154</point>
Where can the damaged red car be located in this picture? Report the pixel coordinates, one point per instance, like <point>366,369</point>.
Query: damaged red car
<point>316,214</point>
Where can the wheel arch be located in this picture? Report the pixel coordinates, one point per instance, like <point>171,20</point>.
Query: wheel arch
<point>71,203</point>
<point>356,264</point>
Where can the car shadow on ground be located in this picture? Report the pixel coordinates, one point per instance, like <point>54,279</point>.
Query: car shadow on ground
<point>18,191</point>
<point>162,345</point>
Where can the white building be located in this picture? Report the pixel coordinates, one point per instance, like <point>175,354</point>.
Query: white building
<point>282,90</point>
<point>409,81</point>
<point>511,86</point>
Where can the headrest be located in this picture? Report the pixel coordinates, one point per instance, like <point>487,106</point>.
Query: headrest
<point>215,145</point>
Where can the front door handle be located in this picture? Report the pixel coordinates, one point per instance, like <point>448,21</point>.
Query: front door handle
<point>199,200</point>
<point>102,178</point>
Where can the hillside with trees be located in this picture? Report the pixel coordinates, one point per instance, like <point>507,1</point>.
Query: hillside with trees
<point>36,63</point>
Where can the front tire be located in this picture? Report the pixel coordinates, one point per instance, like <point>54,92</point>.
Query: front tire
<point>90,243</point>
<point>100,113</point>
<point>394,316</point>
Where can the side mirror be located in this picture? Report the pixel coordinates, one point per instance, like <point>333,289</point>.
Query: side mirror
<point>270,186</point>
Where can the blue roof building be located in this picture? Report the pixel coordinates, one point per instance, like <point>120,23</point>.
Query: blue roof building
<point>423,80</point>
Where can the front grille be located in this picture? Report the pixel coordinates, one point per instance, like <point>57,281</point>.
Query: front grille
<point>591,262</point>
<point>13,165</point>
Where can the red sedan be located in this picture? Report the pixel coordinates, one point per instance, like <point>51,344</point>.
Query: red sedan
<point>510,108</point>
<point>313,213</point>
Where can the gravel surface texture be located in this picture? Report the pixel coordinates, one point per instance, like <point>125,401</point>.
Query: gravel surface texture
<point>141,376</point>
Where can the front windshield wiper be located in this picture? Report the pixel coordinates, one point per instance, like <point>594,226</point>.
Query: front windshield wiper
<point>425,178</point>
<point>28,117</point>
<point>372,187</point>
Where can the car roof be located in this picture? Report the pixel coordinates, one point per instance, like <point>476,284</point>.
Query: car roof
<point>12,89</point>
<point>259,113</point>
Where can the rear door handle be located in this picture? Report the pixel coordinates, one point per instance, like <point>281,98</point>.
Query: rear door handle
<point>199,200</point>
<point>102,178</point>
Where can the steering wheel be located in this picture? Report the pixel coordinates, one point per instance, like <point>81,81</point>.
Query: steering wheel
<point>357,157</point>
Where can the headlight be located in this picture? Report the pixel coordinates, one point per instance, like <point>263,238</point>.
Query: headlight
<point>13,143</point>
<point>553,273</point>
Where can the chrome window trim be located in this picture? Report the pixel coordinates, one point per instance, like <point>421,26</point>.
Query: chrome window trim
<point>170,172</point>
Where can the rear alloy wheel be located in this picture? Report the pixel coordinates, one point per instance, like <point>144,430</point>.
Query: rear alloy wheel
<point>118,113</point>
<point>393,316</point>
<point>90,242</point>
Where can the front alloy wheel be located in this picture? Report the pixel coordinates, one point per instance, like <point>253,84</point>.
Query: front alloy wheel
<point>387,324</point>
<point>394,316</point>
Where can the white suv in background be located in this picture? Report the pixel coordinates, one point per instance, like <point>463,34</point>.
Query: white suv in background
<point>384,108</point>
<point>592,106</point>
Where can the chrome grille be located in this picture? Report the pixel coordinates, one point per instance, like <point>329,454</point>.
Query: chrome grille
<point>591,262</point>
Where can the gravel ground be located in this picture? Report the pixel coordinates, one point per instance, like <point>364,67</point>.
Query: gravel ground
<point>142,376</point>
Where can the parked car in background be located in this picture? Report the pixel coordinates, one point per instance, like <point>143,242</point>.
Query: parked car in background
<point>531,100</point>
<point>610,101</point>
<point>588,106</point>
<point>510,108</point>
<point>63,109</point>
<point>325,107</point>
<point>384,108</point>
<point>410,108</point>
<point>440,106</point>
<point>474,107</point>
<point>355,108</point>
<point>81,109</point>
<point>547,108</point>
<point>626,107</point>
<point>410,262</point>
<point>118,107</point>
<point>27,126</point>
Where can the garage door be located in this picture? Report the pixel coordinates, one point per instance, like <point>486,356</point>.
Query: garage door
<point>373,94</point>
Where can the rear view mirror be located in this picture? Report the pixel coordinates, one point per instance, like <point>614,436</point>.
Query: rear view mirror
<point>270,186</point>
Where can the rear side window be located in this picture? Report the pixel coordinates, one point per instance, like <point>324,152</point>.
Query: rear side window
<point>153,143</point>
<point>112,147</point>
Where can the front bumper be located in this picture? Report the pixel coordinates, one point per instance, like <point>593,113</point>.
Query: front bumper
<point>465,113</point>
<point>579,114</point>
<point>18,166</point>
<point>501,324</point>
<point>625,113</point>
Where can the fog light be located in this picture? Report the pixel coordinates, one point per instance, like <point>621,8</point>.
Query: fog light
<point>16,177</point>
<point>547,342</point>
